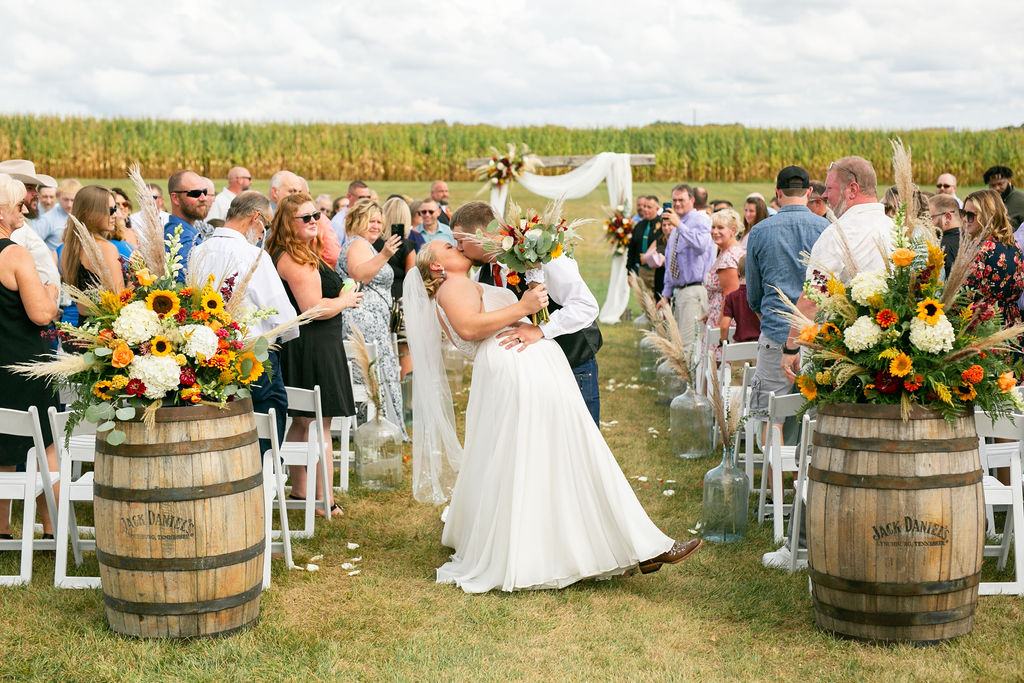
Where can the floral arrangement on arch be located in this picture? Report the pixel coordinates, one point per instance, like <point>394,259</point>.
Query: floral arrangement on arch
<point>900,335</point>
<point>157,341</point>
<point>618,229</point>
<point>507,167</point>
<point>525,240</point>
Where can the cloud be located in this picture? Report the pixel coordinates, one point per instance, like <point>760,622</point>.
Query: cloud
<point>575,62</point>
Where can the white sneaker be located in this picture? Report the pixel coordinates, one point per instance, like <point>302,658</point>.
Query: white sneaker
<point>781,559</point>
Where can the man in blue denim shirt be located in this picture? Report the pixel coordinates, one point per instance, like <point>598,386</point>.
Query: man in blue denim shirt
<point>188,205</point>
<point>773,259</point>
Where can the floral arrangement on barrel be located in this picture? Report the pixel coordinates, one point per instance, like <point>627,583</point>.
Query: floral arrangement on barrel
<point>157,341</point>
<point>525,241</point>
<point>902,336</point>
<point>507,167</point>
<point>618,229</point>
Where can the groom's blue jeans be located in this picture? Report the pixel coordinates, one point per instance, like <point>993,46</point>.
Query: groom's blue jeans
<point>586,378</point>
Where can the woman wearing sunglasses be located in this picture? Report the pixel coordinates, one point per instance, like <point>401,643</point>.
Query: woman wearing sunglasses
<point>94,208</point>
<point>998,273</point>
<point>317,356</point>
<point>359,260</point>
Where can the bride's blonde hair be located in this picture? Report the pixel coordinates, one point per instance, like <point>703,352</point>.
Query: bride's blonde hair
<point>432,279</point>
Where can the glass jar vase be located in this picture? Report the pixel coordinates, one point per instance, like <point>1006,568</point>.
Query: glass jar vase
<point>640,326</point>
<point>692,425</point>
<point>648,361</point>
<point>726,497</point>
<point>378,446</point>
<point>670,384</point>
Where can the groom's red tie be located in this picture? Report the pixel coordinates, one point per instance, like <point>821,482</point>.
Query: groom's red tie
<point>496,273</point>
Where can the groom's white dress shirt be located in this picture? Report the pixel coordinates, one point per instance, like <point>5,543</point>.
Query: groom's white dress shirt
<point>566,287</point>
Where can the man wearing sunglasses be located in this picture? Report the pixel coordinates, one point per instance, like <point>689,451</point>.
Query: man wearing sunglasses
<point>157,193</point>
<point>432,229</point>
<point>946,184</point>
<point>239,180</point>
<point>999,178</point>
<point>188,205</point>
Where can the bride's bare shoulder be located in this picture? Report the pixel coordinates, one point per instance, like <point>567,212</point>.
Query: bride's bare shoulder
<point>458,289</point>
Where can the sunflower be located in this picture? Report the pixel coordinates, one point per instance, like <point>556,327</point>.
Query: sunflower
<point>255,368</point>
<point>211,302</point>
<point>885,318</point>
<point>929,310</point>
<point>965,391</point>
<point>159,346</point>
<point>101,388</point>
<point>163,302</point>
<point>807,387</point>
<point>901,365</point>
<point>829,332</point>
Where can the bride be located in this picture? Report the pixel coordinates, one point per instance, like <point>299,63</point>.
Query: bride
<point>539,500</point>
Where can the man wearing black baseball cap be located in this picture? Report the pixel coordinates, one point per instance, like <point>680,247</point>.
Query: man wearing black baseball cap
<point>773,260</point>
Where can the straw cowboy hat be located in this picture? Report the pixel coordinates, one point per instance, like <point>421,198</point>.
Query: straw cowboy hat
<point>25,171</point>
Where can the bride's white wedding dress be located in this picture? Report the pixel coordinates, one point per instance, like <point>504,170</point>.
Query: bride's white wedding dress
<point>540,501</point>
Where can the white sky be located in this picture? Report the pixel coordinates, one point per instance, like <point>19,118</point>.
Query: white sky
<point>581,63</point>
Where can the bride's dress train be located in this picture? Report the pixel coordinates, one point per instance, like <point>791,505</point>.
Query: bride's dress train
<point>540,501</point>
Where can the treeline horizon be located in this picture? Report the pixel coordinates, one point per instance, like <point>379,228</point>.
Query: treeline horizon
<point>92,147</point>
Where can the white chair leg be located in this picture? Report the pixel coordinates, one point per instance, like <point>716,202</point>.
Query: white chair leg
<point>1008,533</point>
<point>60,566</point>
<point>777,502</point>
<point>762,495</point>
<point>28,527</point>
<point>269,492</point>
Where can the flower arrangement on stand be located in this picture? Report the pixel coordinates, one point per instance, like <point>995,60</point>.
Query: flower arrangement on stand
<point>506,168</point>
<point>157,340</point>
<point>525,241</point>
<point>618,229</point>
<point>902,336</point>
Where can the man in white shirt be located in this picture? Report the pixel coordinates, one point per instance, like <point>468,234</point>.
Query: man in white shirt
<point>230,251</point>
<point>158,197</point>
<point>850,191</point>
<point>239,180</point>
<point>573,308</point>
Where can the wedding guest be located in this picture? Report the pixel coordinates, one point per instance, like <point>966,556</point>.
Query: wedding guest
<point>736,311</point>
<point>645,236</point>
<point>432,229</point>
<point>27,307</point>
<point>324,204</point>
<point>317,356</point>
<point>754,211</point>
<point>50,225</point>
<point>439,193</point>
<point>337,205</point>
<point>816,201</point>
<point>689,255</point>
<point>284,183</point>
<point>26,236</point>
<point>998,273</point>
<point>722,278</point>
<point>94,207</point>
<point>158,197</point>
<point>396,212</point>
<point>946,184</point>
<point>359,260</point>
<point>700,199</point>
<point>998,178</point>
<point>357,190</point>
<point>945,215</point>
<point>719,204</point>
<point>47,199</point>
<point>123,237</point>
<point>188,205</point>
<point>239,180</point>
<point>417,221</point>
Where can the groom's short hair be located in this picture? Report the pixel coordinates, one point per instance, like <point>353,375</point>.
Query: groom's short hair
<point>473,216</point>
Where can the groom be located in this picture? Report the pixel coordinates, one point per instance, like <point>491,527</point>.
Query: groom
<point>573,308</point>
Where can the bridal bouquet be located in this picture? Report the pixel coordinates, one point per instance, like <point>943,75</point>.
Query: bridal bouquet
<point>900,335</point>
<point>619,229</point>
<point>525,241</point>
<point>156,341</point>
<point>507,167</point>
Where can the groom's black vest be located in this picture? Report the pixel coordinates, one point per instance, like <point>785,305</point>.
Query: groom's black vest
<point>579,347</point>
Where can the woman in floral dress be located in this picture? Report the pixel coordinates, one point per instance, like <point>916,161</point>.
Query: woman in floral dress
<point>998,273</point>
<point>723,278</point>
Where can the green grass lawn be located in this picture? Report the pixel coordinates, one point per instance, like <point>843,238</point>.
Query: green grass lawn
<point>719,615</point>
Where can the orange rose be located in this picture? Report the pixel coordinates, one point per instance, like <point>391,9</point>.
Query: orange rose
<point>512,279</point>
<point>903,256</point>
<point>1006,381</point>
<point>808,333</point>
<point>122,356</point>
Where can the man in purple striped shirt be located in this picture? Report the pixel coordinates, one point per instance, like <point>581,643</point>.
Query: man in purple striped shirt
<point>688,257</point>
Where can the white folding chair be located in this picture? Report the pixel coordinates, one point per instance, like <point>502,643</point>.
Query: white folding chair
<point>75,488</point>
<point>344,426</point>
<point>797,553</point>
<point>308,454</point>
<point>273,487</point>
<point>26,486</point>
<point>778,458</point>
<point>1006,496</point>
<point>746,451</point>
<point>734,352</point>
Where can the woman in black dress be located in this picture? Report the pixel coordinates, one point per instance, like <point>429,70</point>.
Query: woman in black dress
<point>317,356</point>
<point>27,306</point>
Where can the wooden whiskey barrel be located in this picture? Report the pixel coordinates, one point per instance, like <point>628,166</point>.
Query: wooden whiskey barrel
<point>895,523</point>
<point>180,523</point>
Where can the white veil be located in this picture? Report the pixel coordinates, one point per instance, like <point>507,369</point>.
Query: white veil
<point>436,451</point>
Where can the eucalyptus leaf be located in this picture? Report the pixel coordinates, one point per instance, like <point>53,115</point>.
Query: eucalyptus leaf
<point>102,351</point>
<point>106,411</point>
<point>243,392</point>
<point>89,358</point>
<point>126,413</point>
<point>93,414</point>
<point>109,424</point>
<point>231,390</point>
<point>116,437</point>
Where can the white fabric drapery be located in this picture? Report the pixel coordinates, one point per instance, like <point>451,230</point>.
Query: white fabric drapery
<point>609,167</point>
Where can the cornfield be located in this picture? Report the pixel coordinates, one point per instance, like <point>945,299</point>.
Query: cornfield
<point>103,148</point>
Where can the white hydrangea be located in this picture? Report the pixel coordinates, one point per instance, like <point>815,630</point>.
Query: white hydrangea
<point>136,323</point>
<point>868,284</point>
<point>199,340</point>
<point>160,374</point>
<point>932,338</point>
<point>862,334</point>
